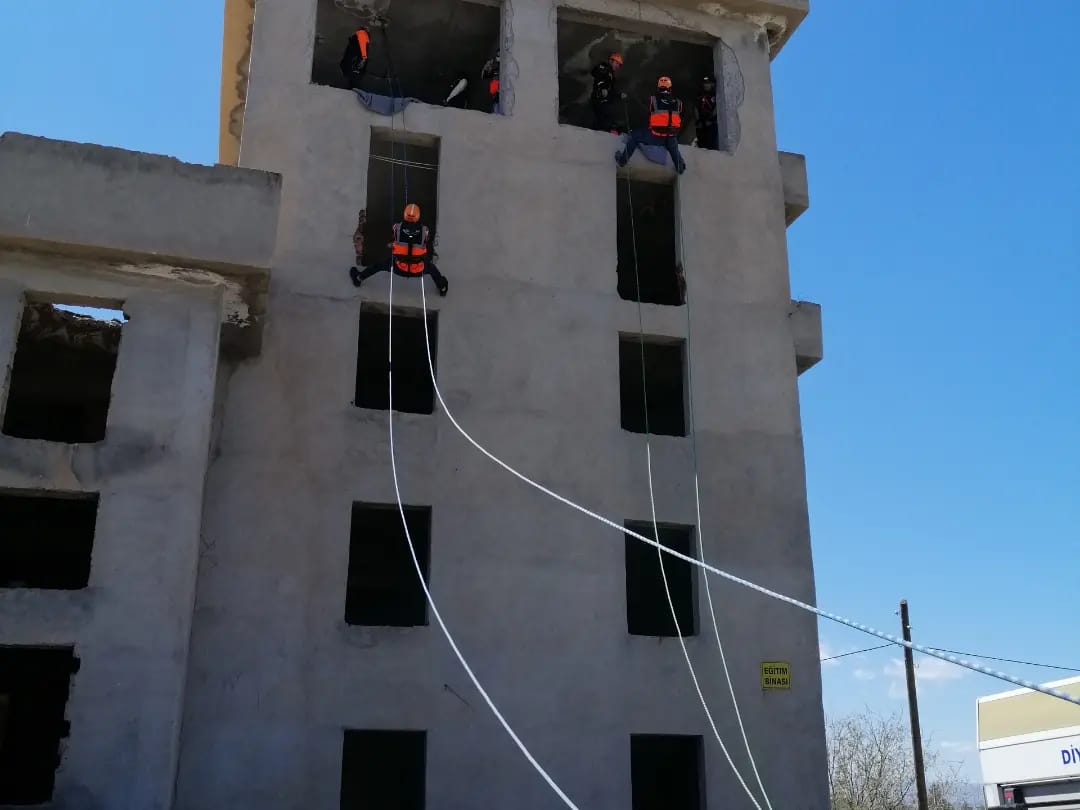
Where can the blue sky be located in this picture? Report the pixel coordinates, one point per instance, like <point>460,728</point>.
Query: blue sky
<point>941,429</point>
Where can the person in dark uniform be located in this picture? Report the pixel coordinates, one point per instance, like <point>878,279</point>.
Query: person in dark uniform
<point>354,61</point>
<point>708,131</point>
<point>604,94</point>
<point>665,123</point>
<point>409,254</point>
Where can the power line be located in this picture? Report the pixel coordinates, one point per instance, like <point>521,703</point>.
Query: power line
<point>1008,660</point>
<point>858,652</point>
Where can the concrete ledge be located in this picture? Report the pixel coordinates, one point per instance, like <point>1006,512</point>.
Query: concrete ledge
<point>780,18</point>
<point>796,188</point>
<point>805,320</point>
<point>134,209</point>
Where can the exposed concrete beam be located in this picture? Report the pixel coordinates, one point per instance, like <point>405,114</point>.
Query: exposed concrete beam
<point>145,214</point>
<point>805,320</point>
<point>796,187</point>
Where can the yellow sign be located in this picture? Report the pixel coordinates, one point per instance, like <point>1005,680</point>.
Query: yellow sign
<point>775,675</point>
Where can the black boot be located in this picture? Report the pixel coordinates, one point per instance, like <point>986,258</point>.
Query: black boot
<point>354,274</point>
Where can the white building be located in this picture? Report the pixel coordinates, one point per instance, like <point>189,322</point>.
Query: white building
<point>1029,748</point>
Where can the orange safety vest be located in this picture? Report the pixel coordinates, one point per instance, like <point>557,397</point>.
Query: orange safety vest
<point>364,39</point>
<point>410,242</point>
<point>665,115</point>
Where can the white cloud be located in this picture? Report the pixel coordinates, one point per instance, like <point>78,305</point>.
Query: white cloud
<point>825,650</point>
<point>864,674</point>
<point>927,671</point>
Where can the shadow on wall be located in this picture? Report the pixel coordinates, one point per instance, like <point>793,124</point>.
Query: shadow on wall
<point>432,44</point>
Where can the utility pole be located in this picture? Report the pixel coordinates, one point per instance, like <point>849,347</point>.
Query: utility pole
<point>913,710</point>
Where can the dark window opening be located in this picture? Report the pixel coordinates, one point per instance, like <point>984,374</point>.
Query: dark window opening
<point>383,770</point>
<point>663,385</point>
<point>386,184</point>
<point>647,610</point>
<point>666,772</point>
<point>34,683</point>
<point>426,48</point>
<point>46,540</point>
<point>648,54</point>
<point>647,242</point>
<point>413,389</point>
<point>382,588</point>
<point>61,379</point>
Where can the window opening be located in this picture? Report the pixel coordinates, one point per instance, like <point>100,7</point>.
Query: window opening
<point>647,610</point>
<point>383,770</point>
<point>666,772</point>
<point>386,181</point>
<point>61,378</point>
<point>413,390</point>
<point>46,540</point>
<point>34,685</point>
<point>382,588</point>
<point>664,369</point>
<point>648,53</point>
<point>433,45</point>
<point>653,224</point>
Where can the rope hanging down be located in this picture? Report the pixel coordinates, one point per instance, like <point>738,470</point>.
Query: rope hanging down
<point>655,525</point>
<point>401,508</point>
<point>697,508</point>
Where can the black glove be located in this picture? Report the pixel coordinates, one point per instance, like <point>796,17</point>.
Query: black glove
<point>443,287</point>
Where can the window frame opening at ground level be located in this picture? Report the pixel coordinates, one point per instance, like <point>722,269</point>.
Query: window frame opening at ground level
<point>667,772</point>
<point>36,684</point>
<point>383,769</point>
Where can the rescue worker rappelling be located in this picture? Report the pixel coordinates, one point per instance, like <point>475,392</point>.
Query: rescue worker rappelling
<point>665,123</point>
<point>354,61</point>
<point>604,94</point>
<point>490,74</point>
<point>708,131</point>
<point>409,253</point>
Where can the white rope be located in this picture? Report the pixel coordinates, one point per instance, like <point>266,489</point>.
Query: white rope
<point>408,536</point>
<point>652,503</point>
<point>701,529</point>
<point>427,592</point>
<point>862,628</point>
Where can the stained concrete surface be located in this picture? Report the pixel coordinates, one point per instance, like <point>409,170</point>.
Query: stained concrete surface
<point>528,361</point>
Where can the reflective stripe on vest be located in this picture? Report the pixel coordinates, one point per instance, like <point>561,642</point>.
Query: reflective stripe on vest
<point>363,38</point>
<point>665,120</point>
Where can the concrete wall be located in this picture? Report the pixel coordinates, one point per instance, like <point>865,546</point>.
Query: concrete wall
<point>131,626</point>
<point>528,360</point>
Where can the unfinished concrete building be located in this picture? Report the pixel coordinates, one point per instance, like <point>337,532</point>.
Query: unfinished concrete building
<point>206,599</point>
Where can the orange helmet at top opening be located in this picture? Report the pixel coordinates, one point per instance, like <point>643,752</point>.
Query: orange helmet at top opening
<point>663,83</point>
<point>412,213</point>
<point>616,58</point>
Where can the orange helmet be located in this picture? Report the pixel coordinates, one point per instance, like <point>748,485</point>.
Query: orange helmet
<point>616,58</point>
<point>412,212</point>
<point>663,83</point>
